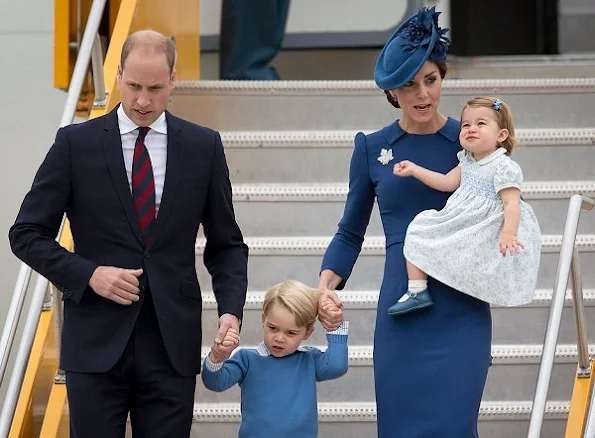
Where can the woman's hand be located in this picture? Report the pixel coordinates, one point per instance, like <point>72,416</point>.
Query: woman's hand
<point>404,168</point>
<point>509,244</point>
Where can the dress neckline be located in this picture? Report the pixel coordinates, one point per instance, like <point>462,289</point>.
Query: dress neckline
<point>450,130</point>
<point>485,160</point>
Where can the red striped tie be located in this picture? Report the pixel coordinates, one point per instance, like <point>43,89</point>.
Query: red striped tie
<point>143,184</point>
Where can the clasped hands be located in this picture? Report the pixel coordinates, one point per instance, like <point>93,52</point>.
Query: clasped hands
<point>330,309</point>
<point>226,339</point>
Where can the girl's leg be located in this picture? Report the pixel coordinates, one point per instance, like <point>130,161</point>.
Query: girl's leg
<point>417,295</point>
<point>414,273</point>
<point>418,281</point>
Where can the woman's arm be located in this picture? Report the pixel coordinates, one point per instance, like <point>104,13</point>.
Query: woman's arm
<point>511,198</point>
<point>436,180</point>
<point>329,280</point>
<point>345,247</point>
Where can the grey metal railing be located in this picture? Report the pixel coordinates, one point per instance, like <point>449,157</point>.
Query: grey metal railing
<point>568,267</point>
<point>90,44</point>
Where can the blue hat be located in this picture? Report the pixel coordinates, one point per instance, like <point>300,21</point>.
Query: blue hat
<point>418,39</point>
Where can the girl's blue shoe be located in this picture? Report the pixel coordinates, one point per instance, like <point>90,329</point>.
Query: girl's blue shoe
<point>411,301</point>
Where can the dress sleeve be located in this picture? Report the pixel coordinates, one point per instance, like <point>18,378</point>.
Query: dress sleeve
<point>462,156</point>
<point>342,252</point>
<point>508,174</point>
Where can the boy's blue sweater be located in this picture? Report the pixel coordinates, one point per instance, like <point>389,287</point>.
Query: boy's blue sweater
<point>279,394</point>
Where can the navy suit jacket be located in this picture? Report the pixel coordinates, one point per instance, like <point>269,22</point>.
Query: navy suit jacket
<point>83,175</point>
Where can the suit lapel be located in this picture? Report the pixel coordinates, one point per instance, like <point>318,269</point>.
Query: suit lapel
<point>176,154</point>
<point>112,147</point>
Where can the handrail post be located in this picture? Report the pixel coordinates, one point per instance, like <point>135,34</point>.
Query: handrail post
<point>22,357</point>
<point>98,79</point>
<point>555,316</point>
<point>82,61</point>
<point>584,362</point>
<point>12,318</point>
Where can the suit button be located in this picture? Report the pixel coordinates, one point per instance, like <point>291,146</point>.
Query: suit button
<point>147,255</point>
<point>141,287</point>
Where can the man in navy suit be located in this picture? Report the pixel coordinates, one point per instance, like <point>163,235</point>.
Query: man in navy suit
<point>135,184</point>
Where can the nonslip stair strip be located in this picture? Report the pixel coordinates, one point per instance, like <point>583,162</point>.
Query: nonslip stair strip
<point>363,412</point>
<point>337,192</point>
<point>373,245</point>
<point>515,354</point>
<point>364,299</point>
<point>449,86</point>
<point>344,138</point>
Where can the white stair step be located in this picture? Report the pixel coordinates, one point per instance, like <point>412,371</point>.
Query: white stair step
<point>373,245</point>
<point>344,138</point>
<point>511,325</point>
<point>337,192</point>
<point>273,259</point>
<point>367,299</point>
<point>323,156</point>
<point>281,209</point>
<point>512,376</point>
<point>273,105</point>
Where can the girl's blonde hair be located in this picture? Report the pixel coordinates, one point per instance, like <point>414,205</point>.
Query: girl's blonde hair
<point>502,115</point>
<point>299,299</point>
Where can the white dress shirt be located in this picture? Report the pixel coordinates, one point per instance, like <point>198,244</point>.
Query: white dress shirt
<point>156,143</point>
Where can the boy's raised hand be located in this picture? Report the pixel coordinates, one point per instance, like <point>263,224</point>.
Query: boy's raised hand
<point>220,351</point>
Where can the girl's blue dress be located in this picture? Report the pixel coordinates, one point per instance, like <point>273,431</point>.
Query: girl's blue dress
<point>430,366</point>
<point>460,244</point>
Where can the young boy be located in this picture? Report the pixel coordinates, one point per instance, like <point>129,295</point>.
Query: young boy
<point>278,378</point>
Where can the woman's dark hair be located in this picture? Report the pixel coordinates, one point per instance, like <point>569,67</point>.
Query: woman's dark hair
<point>442,68</point>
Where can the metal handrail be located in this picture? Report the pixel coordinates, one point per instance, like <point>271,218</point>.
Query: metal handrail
<point>590,422</point>
<point>12,319</point>
<point>98,79</point>
<point>584,362</point>
<point>568,259</point>
<point>82,62</point>
<point>39,292</point>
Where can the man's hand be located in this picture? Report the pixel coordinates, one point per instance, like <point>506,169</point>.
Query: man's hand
<point>227,321</point>
<point>221,351</point>
<point>116,284</point>
<point>330,310</point>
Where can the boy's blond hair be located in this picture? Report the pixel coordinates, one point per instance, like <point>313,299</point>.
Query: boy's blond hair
<point>299,299</point>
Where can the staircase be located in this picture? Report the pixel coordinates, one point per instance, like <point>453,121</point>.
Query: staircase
<point>288,146</point>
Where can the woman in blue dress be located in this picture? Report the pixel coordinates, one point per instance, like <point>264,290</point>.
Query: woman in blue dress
<point>430,366</point>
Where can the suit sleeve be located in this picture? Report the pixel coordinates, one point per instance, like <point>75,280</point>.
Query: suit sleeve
<point>33,235</point>
<point>225,254</point>
<point>344,249</point>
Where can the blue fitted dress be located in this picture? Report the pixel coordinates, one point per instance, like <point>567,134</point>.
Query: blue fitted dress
<point>430,366</point>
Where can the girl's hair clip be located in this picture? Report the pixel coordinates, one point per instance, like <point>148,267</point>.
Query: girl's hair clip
<point>497,104</point>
